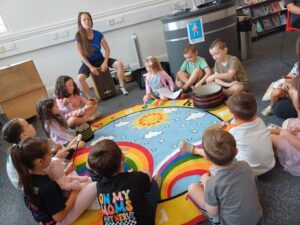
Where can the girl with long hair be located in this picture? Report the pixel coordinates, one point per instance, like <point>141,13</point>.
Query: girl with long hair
<point>73,106</point>
<point>88,44</point>
<point>43,196</point>
<point>54,125</point>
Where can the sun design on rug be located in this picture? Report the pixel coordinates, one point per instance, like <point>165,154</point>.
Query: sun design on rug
<point>151,119</point>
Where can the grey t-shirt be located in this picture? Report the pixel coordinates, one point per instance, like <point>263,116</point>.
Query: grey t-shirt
<point>234,191</point>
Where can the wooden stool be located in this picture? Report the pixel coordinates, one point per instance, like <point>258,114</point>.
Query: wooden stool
<point>104,85</point>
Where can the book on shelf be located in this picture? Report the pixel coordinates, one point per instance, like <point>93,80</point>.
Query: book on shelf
<point>275,21</point>
<point>267,23</point>
<point>257,12</point>
<point>264,10</point>
<point>276,7</point>
<point>259,27</point>
<point>271,10</point>
<point>282,19</point>
<point>282,5</point>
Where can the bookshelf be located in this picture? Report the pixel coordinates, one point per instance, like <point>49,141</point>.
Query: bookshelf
<point>267,15</point>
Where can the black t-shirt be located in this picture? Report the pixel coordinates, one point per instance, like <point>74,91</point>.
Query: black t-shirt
<point>49,197</point>
<point>295,18</point>
<point>122,199</point>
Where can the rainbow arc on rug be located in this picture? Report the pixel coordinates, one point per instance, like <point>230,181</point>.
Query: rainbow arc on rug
<point>149,137</point>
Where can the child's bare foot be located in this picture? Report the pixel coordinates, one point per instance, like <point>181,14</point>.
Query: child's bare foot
<point>95,116</point>
<point>186,147</point>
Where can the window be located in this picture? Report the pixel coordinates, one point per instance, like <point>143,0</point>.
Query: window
<point>3,28</point>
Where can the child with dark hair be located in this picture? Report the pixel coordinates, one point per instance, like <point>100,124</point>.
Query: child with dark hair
<point>15,131</point>
<point>228,71</point>
<point>229,196</point>
<point>129,195</point>
<point>73,106</point>
<point>250,132</point>
<point>43,196</point>
<point>54,125</point>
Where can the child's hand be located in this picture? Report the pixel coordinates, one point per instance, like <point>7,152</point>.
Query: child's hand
<point>210,78</point>
<point>56,149</point>
<point>223,124</point>
<point>70,168</point>
<point>66,101</point>
<point>286,86</point>
<point>61,153</point>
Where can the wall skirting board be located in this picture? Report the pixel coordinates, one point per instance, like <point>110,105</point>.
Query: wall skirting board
<point>30,40</point>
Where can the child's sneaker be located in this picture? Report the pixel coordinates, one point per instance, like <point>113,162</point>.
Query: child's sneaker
<point>267,111</point>
<point>123,90</point>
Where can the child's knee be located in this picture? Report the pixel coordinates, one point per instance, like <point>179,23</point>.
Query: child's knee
<point>72,121</point>
<point>198,71</point>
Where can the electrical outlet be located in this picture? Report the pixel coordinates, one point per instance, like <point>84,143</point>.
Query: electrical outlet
<point>63,34</point>
<point>119,19</point>
<point>110,22</point>
<point>55,36</point>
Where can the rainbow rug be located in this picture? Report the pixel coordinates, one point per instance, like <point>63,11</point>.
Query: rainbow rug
<point>151,135</point>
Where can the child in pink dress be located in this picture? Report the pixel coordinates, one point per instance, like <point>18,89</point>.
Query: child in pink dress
<point>287,143</point>
<point>74,107</point>
<point>54,125</point>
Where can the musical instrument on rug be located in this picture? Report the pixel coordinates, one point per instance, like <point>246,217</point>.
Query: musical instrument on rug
<point>208,96</point>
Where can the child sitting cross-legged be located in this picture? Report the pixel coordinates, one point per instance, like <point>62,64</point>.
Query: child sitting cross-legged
<point>250,132</point>
<point>229,196</point>
<point>228,71</point>
<point>46,200</point>
<point>73,106</point>
<point>156,78</point>
<point>193,71</point>
<point>124,197</point>
<point>54,125</point>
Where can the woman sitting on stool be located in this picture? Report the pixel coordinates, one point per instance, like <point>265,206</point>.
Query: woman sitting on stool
<point>88,44</point>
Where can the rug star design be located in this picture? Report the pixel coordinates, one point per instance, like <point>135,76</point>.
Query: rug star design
<point>149,136</point>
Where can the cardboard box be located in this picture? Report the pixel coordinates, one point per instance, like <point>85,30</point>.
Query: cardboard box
<point>20,88</point>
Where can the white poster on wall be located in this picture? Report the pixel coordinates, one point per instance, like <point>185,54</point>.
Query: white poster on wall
<point>195,31</point>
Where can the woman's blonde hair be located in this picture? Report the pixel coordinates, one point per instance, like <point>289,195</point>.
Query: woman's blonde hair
<point>153,63</point>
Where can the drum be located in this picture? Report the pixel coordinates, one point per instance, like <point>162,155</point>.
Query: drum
<point>208,96</point>
<point>86,131</point>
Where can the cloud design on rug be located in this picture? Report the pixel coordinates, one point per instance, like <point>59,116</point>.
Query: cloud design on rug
<point>122,124</point>
<point>152,134</point>
<point>169,110</point>
<point>102,138</point>
<point>194,116</point>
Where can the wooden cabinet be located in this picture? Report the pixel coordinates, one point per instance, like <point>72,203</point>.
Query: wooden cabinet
<point>20,88</point>
<point>267,15</point>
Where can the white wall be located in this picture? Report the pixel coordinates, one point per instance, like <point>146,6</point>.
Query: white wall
<point>44,31</point>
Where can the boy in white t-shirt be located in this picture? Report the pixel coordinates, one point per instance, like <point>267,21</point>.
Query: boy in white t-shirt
<point>250,132</point>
